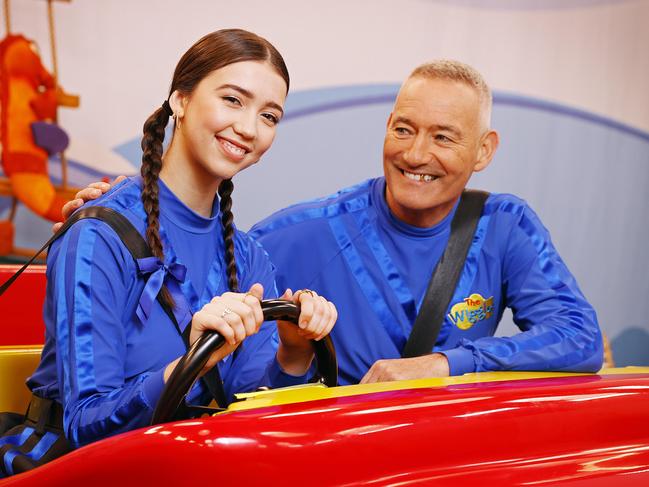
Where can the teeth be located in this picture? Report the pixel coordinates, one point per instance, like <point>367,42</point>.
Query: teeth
<point>233,148</point>
<point>419,177</point>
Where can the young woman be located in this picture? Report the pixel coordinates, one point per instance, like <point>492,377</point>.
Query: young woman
<point>110,346</point>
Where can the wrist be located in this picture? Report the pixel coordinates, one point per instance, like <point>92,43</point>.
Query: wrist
<point>169,369</point>
<point>460,361</point>
<point>440,365</point>
<point>294,360</point>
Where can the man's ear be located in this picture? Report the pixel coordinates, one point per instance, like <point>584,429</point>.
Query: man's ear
<point>487,149</point>
<point>177,102</point>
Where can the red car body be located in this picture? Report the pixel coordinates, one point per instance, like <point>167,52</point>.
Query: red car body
<point>500,428</point>
<point>21,306</point>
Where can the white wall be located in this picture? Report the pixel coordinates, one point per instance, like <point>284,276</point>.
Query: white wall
<point>572,106</point>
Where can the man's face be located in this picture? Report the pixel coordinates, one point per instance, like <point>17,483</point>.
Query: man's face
<point>434,142</point>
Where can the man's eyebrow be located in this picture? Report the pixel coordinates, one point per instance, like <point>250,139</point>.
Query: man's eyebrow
<point>450,128</point>
<point>446,128</point>
<point>402,119</point>
<point>249,94</point>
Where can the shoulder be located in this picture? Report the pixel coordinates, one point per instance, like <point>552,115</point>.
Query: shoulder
<point>91,235</point>
<point>124,197</point>
<point>88,248</point>
<point>253,263</point>
<point>249,250</point>
<point>317,211</point>
<point>511,224</point>
<point>510,210</point>
<point>246,245</point>
<point>504,203</point>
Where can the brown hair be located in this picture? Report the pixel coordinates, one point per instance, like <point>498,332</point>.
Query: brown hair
<point>210,53</point>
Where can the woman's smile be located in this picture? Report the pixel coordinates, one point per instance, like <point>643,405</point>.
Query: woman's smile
<point>233,150</point>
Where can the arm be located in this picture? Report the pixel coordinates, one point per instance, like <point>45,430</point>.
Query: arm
<point>109,383</point>
<point>280,354</point>
<point>559,327</point>
<point>433,365</point>
<point>89,293</point>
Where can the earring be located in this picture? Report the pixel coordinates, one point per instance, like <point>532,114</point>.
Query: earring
<point>177,120</point>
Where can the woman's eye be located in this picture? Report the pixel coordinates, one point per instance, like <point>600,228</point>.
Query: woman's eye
<point>271,118</point>
<point>232,99</point>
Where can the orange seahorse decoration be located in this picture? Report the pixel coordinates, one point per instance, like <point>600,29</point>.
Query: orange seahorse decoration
<point>29,96</point>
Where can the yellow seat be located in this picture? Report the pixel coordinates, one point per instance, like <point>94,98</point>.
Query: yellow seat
<point>17,363</point>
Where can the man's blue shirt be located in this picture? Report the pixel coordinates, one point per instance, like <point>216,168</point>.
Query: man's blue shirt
<point>350,248</point>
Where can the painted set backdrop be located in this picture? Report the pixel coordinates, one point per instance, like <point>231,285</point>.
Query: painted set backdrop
<point>570,80</point>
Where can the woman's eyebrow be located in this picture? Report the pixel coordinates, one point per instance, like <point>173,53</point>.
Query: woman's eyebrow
<point>249,94</point>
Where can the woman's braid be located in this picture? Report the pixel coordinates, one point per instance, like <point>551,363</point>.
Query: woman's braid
<point>154,132</point>
<point>225,194</point>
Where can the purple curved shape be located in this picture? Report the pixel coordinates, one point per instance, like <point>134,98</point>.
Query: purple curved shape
<point>50,137</point>
<point>340,105</point>
<point>499,99</point>
<point>530,4</point>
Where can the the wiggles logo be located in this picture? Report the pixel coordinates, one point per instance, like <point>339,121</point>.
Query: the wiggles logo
<point>473,309</point>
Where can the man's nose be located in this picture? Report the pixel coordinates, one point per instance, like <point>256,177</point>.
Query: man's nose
<point>419,152</point>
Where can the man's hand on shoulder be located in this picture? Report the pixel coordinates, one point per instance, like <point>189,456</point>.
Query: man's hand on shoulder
<point>89,193</point>
<point>434,365</point>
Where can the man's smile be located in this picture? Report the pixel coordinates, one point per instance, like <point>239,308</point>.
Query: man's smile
<point>426,178</point>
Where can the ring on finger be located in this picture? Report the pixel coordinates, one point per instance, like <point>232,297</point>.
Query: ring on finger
<point>226,311</point>
<point>307,291</point>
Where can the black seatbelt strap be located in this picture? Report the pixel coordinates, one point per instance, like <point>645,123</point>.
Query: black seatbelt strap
<point>138,249</point>
<point>445,276</point>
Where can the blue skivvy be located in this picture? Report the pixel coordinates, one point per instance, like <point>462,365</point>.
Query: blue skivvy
<point>108,340</point>
<point>376,268</point>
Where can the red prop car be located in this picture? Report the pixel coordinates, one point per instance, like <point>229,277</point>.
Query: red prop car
<point>500,428</point>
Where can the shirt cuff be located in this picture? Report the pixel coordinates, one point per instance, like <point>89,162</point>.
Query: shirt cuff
<point>152,387</point>
<point>276,377</point>
<point>460,361</point>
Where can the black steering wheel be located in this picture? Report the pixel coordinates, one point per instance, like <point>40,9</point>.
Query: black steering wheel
<point>172,401</point>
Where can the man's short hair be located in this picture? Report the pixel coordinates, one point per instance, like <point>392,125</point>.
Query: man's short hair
<point>456,71</point>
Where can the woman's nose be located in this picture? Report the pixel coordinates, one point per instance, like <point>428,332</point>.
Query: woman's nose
<point>246,126</point>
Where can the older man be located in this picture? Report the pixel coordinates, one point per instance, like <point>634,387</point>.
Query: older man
<point>372,248</point>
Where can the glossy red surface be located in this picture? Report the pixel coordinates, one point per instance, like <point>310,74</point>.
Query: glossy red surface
<point>21,306</point>
<point>580,430</point>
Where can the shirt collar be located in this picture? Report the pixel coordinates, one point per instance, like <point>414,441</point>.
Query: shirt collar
<point>388,218</point>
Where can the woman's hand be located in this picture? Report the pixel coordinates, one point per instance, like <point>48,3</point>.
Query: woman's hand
<point>317,318</point>
<point>234,315</point>
<point>89,193</point>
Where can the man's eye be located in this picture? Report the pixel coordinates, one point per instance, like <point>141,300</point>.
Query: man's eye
<point>442,138</point>
<point>271,118</point>
<point>401,131</point>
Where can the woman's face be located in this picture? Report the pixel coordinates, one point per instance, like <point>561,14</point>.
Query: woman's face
<point>230,119</point>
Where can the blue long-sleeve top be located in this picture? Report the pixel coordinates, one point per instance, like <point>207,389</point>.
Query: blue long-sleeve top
<point>376,268</point>
<point>107,346</point>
